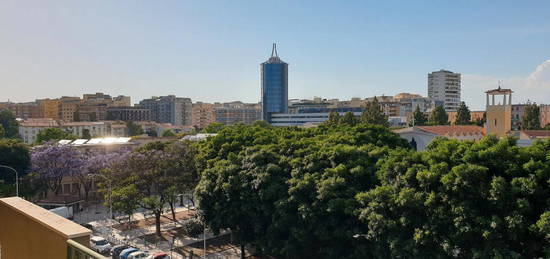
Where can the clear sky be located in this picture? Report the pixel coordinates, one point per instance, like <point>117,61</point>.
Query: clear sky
<point>211,50</point>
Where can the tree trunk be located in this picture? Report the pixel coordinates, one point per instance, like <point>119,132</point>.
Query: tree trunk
<point>242,251</point>
<point>173,211</point>
<point>157,222</point>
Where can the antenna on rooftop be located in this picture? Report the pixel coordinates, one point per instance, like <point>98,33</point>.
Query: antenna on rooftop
<point>274,51</point>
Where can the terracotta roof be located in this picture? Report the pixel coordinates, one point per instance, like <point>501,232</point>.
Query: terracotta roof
<point>537,133</point>
<point>455,130</point>
<point>42,122</point>
<point>82,123</point>
<point>499,91</point>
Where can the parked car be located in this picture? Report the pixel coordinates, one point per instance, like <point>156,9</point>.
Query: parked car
<point>159,256</point>
<point>100,245</point>
<point>138,255</point>
<point>88,226</point>
<point>126,252</point>
<point>115,251</point>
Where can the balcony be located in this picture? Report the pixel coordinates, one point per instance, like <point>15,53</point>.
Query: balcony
<point>29,231</point>
<point>76,250</point>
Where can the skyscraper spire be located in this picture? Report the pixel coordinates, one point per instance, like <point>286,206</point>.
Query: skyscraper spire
<point>274,51</point>
<point>274,55</point>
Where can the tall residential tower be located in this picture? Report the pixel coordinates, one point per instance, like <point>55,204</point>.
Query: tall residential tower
<point>444,89</point>
<point>274,85</point>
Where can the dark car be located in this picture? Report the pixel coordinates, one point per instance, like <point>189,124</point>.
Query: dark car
<point>88,226</point>
<point>115,251</point>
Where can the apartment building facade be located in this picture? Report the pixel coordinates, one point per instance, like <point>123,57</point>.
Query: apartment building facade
<point>170,109</point>
<point>444,87</point>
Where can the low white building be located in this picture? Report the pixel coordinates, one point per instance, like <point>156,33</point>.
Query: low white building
<point>29,129</point>
<point>420,136</point>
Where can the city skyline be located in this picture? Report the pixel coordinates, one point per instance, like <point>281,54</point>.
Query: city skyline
<point>201,50</point>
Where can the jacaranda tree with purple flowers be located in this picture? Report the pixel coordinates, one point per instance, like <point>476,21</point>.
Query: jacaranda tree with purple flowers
<point>96,163</point>
<point>52,162</point>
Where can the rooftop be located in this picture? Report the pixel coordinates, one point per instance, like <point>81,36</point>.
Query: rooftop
<point>537,133</point>
<point>448,130</point>
<point>499,91</point>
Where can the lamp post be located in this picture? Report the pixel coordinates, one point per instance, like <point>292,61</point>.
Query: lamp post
<point>16,179</point>
<point>110,192</point>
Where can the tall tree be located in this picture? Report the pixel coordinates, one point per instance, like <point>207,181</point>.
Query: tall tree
<point>531,118</point>
<point>95,163</point>
<point>419,118</point>
<point>10,125</point>
<point>463,116</point>
<point>134,129</point>
<point>349,119</point>
<point>53,134</point>
<point>2,131</point>
<point>439,116</point>
<point>86,134</point>
<point>333,118</point>
<point>15,154</point>
<point>481,122</point>
<point>374,114</point>
<point>290,192</point>
<point>53,162</point>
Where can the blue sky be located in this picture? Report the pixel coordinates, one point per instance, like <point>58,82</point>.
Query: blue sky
<point>211,50</point>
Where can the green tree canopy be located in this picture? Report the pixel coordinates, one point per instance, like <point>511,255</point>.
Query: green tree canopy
<point>15,154</point>
<point>290,192</point>
<point>463,116</point>
<point>2,131</point>
<point>168,133</point>
<point>439,116</point>
<point>134,129</point>
<point>333,118</point>
<point>53,134</point>
<point>10,125</point>
<point>349,119</point>
<point>374,114</point>
<point>460,199</point>
<point>86,134</point>
<point>531,118</point>
<point>419,118</point>
<point>213,127</point>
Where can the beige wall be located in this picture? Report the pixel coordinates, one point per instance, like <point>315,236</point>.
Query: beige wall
<point>499,120</point>
<point>24,236</point>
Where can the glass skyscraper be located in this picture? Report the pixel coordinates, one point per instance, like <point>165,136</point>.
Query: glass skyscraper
<point>274,85</point>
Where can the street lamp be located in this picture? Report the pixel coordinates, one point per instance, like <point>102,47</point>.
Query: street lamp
<point>16,179</point>
<point>110,192</point>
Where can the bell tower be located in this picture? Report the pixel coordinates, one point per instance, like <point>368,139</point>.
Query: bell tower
<point>499,112</point>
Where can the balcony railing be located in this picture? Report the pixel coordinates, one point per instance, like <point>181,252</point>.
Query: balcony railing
<point>76,250</point>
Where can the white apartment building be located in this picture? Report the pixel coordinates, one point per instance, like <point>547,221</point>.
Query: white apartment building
<point>29,129</point>
<point>444,89</point>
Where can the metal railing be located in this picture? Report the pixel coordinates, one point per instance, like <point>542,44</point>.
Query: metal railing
<point>76,250</point>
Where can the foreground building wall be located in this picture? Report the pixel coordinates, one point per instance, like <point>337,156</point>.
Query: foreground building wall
<point>28,231</point>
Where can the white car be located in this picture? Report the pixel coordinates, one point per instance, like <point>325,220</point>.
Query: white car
<point>100,245</point>
<point>138,255</point>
